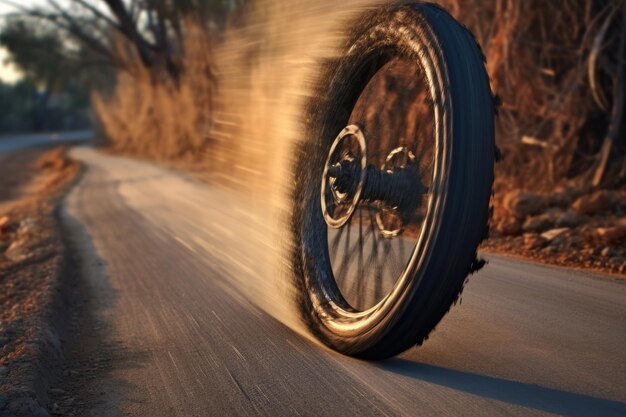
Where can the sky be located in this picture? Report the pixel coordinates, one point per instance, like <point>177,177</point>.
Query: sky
<point>8,73</point>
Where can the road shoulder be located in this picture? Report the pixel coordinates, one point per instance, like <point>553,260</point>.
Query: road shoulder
<point>33,267</point>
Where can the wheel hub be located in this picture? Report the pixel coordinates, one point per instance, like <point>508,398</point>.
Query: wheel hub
<point>392,215</point>
<point>396,187</point>
<point>343,177</point>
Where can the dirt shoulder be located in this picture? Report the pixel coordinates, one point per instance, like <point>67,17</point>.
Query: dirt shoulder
<point>33,263</point>
<point>574,227</point>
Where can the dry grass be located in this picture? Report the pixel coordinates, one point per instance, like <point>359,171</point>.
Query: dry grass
<point>152,115</point>
<point>538,55</point>
<point>32,263</point>
<point>235,107</point>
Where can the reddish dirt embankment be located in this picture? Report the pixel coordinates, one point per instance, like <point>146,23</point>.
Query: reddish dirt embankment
<point>572,226</point>
<point>32,260</point>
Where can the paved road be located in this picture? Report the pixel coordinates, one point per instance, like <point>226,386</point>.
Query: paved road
<point>9,143</point>
<point>189,282</point>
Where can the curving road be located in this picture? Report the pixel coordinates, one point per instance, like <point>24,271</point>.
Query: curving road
<point>187,280</point>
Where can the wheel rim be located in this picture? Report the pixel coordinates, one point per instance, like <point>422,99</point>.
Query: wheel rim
<point>338,206</point>
<point>333,310</point>
<point>371,245</point>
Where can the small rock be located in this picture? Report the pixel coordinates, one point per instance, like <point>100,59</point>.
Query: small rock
<point>568,219</point>
<point>550,235</point>
<point>538,223</point>
<point>4,224</point>
<point>559,242</point>
<point>16,251</point>
<point>611,235</point>
<point>618,261</point>
<point>587,251</point>
<point>26,226</point>
<point>533,241</point>
<point>607,251</point>
<point>595,203</point>
<point>523,204</point>
<point>563,196</point>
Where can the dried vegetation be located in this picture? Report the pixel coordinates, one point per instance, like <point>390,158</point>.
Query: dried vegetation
<point>32,263</point>
<point>152,114</point>
<point>558,68</point>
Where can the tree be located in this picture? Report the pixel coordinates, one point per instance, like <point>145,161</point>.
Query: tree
<point>152,29</point>
<point>51,66</point>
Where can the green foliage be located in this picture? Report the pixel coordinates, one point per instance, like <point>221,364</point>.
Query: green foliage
<point>26,108</point>
<point>53,63</point>
<point>37,51</point>
<point>16,105</point>
<point>58,77</point>
<point>67,51</point>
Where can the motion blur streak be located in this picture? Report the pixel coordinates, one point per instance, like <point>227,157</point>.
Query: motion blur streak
<point>266,68</point>
<point>222,225</point>
<point>185,261</point>
<point>176,263</point>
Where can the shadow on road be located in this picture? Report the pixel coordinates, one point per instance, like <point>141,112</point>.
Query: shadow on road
<point>93,353</point>
<point>512,392</point>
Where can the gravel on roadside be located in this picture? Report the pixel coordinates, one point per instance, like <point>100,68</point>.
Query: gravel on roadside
<point>32,263</point>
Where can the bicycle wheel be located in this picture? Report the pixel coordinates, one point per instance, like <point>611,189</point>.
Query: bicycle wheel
<point>393,181</point>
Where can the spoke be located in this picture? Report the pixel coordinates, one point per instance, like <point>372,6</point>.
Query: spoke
<point>401,244</point>
<point>373,233</point>
<point>374,256</point>
<point>336,239</point>
<point>381,279</point>
<point>398,260</point>
<point>346,253</point>
<point>359,278</point>
<point>360,239</point>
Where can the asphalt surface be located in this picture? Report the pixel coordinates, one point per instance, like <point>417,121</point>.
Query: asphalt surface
<point>190,281</point>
